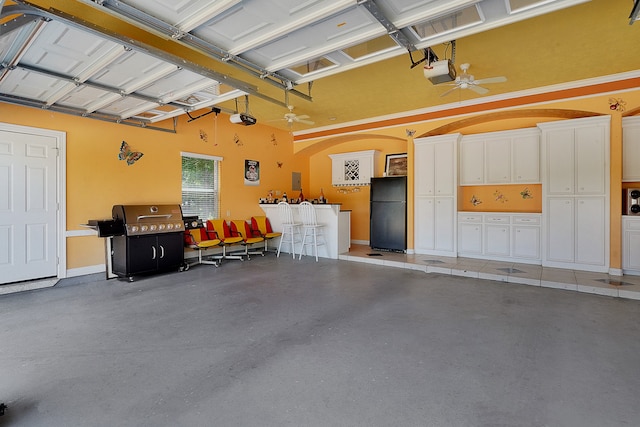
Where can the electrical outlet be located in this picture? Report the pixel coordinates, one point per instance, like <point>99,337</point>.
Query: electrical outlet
<point>228,213</point>
<point>277,192</point>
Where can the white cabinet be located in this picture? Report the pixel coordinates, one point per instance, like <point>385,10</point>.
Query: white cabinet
<point>470,238</point>
<point>436,225</point>
<point>631,149</point>
<point>435,200</point>
<point>497,235</point>
<point>576,193</point>
<point>506,157</point>
<point>498,160</point>
<point>355,168</point>
<point>525,233</point>
<point>471,161</point>
<point>500,236</point>
<point>576,160</point>
<point>631,245</point>
<point>560,230</point>
<point>435,169</point>
<point>525,156</point>
<point>575,231</point>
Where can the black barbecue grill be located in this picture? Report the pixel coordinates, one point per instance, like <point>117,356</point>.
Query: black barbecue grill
<point>145,238</point>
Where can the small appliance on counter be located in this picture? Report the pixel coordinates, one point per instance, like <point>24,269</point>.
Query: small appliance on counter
<point>191,222</point>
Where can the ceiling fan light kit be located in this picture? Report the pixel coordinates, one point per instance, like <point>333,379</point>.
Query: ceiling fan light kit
<point>292,118</point>
<point>467,81</point>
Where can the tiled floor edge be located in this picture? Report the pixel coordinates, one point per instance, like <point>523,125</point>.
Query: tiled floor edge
<point>595,290</point>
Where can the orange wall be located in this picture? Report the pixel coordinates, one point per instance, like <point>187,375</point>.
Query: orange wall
<point>355,199</point>
<point>501,198</point>
<point>385,138</point>
<point>97,180</point>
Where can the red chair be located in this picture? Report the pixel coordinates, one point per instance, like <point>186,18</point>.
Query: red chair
<point>198,239</point>
<point>260,226</point>
<point>220,229</point>
<point>241,228</point>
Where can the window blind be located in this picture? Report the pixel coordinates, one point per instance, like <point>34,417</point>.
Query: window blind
<point>200,192</point>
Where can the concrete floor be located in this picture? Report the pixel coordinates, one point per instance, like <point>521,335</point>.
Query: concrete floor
<point>278,342</point>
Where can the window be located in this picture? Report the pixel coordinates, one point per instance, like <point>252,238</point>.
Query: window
<point>200,192</point>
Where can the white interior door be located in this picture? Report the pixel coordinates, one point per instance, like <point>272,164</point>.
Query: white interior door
<point>28,206</point>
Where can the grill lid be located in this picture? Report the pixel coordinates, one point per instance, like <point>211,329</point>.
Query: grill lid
<point>149,219</point>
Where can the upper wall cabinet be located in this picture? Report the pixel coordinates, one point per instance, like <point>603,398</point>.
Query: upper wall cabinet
<point>508,157</point>
<point>355,168</point>
<point>435,166</point>
<point>576,153</point>
<point>631,149</point>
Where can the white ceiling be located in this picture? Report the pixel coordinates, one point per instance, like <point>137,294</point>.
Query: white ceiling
<point>51,58</point>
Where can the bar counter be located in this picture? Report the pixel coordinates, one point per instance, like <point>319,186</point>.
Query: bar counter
<point>337,228</point>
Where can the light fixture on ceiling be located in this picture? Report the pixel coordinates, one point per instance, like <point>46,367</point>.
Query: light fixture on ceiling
<point>243,118</point>
<point>439,71</point>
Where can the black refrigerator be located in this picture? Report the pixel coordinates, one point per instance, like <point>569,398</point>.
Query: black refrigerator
<point>388,213</point>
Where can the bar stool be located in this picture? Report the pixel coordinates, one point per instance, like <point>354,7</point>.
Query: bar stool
<point>289,227</point>
<point>310,227</point>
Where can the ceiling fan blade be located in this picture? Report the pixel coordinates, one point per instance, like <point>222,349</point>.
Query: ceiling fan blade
<point>500,79</point>
<point>303,116</point>
<point>306,122</point>
<point>449,91</point>
<point>478,89</point>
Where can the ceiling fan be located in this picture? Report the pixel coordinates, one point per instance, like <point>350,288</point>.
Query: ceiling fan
<point>467,81</point>
<point>292,118</point>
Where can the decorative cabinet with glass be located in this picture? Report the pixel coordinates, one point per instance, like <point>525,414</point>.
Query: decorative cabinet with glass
<point>355,168</point>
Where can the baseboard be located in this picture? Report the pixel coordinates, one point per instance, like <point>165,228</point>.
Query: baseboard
<point>615,271</point>
<point>83,271</point>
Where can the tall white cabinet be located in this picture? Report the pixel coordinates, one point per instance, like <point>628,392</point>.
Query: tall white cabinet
<point>575,183</point>
<point>435,195</point>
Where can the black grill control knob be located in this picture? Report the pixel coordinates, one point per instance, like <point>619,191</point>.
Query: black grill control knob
<point>635,194</point>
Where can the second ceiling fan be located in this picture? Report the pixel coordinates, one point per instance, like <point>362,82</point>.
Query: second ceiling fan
<point>467,81</point>
<point>292,118</point>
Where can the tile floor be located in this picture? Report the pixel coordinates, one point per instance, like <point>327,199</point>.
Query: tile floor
<point>524,274</point>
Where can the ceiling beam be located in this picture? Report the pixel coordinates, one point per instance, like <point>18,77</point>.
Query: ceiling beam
<point>90,18</point>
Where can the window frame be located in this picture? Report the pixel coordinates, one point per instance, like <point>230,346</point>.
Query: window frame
<point>216,180</point>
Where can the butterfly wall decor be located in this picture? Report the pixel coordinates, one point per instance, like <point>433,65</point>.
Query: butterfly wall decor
<point>127,154</point>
